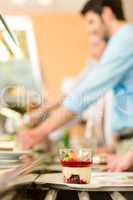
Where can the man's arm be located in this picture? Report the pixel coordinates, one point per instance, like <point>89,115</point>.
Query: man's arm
<point>33,137</point>
<point>97,83</point>
<point>58,119</point>
<point>34,117</point>
<point>108,74</point>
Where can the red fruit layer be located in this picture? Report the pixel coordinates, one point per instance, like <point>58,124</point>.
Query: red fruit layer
<point>74,163</point>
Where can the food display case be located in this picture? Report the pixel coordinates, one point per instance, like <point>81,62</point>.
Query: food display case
<point>21,82</point>
<point>19,62</point>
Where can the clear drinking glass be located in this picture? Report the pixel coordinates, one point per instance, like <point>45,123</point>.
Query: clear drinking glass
<point>76,165</point>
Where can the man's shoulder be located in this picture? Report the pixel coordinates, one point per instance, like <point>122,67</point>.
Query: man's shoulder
<point>121,43</point>
<point>124,35</point>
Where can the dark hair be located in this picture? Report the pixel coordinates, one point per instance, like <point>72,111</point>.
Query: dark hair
<point>98,5</point>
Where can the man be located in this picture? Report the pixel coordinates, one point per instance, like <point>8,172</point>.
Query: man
<point>97,45</point>
<point>115,72</point>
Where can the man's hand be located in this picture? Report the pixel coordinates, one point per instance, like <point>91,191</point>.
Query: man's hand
<point>36,136</point>
<point>121,164</point>
<point>30,138</point>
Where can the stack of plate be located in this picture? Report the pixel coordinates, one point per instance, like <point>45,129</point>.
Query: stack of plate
<point>11,159</point>
<point>7,146</point>
<point>8,156</point>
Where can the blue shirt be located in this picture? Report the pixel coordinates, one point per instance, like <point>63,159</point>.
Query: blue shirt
<point>115,72</point>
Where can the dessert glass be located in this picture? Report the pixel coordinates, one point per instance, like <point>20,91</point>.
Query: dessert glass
<point>76,165</point>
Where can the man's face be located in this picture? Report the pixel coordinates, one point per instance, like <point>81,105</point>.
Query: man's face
<point>97,46</point>
<point>94,24</point>
<point>96,32</point>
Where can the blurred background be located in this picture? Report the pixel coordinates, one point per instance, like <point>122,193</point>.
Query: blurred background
<point>61,38</point>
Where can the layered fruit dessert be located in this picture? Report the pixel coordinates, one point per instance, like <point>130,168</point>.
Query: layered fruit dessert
<point>76,170</point>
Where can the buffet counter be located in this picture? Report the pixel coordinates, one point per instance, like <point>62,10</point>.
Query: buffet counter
<point>39,180</point>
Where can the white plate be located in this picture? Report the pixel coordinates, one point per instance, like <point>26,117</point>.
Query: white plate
<point>98,181</point>
<point>7,145</point>
<point>9,162</point>
<point>7,167</point>
<point>83,186</point>
<point>6,155</point>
